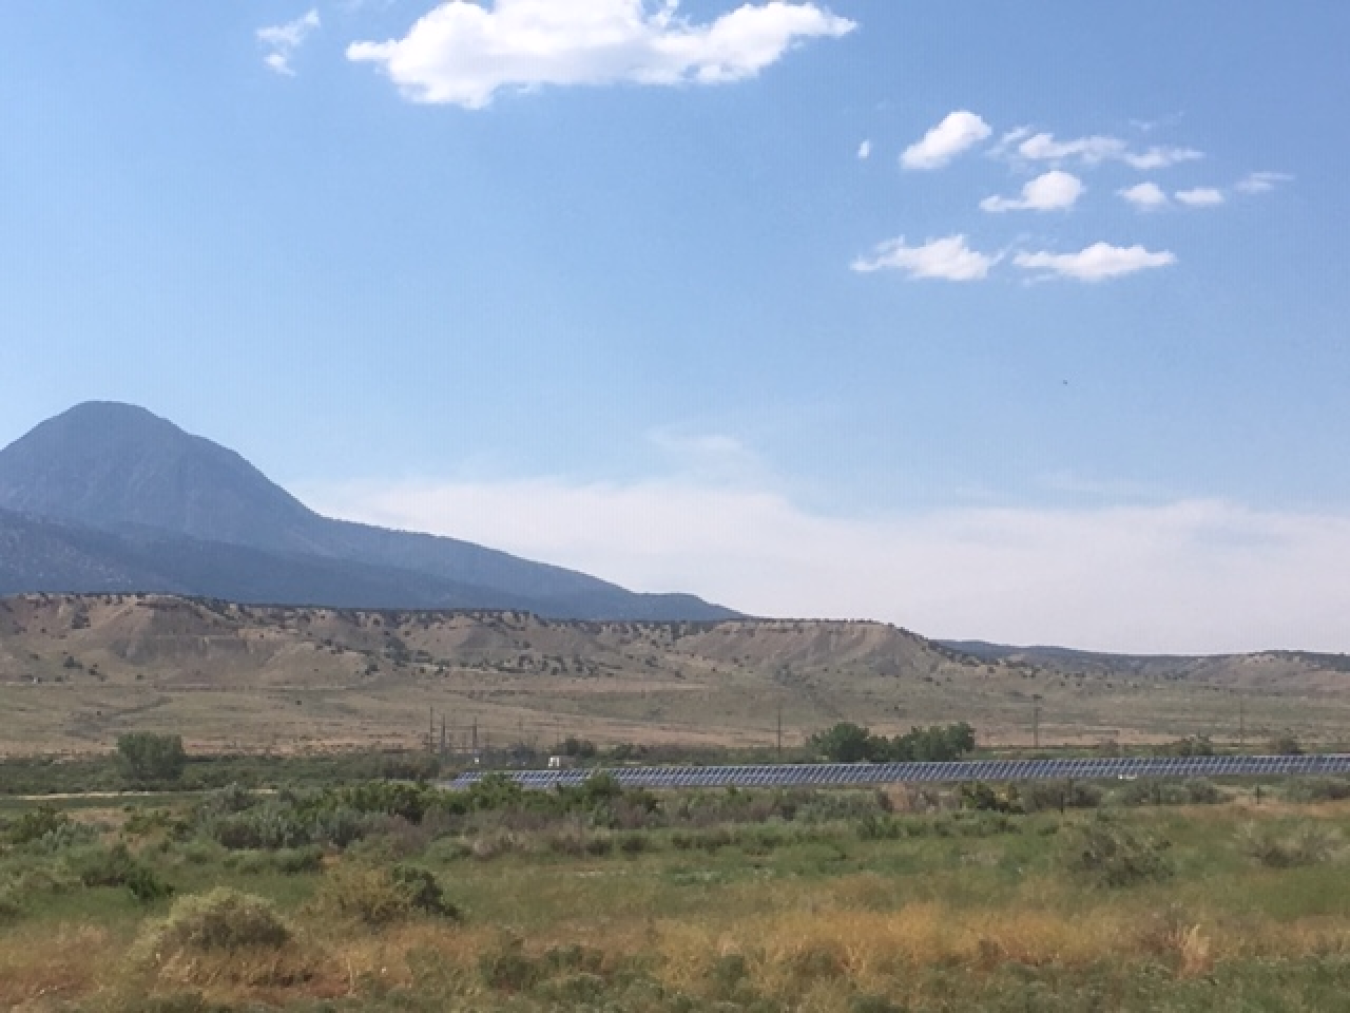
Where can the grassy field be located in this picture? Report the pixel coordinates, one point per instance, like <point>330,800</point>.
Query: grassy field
<point>379,896</point>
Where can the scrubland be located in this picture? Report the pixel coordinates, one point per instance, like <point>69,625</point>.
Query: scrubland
<point>380,895</point>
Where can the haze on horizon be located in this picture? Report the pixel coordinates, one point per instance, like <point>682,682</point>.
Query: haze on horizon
<point>1019,325</point>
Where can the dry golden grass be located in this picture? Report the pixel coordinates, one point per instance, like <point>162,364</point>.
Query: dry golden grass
<point>56,964</point>
<point>803,953</point>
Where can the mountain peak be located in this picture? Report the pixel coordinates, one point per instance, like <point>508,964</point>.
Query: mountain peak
<point>200,519</point>
<point>111,465</point>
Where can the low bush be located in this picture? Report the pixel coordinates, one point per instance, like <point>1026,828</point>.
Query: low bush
<point>1042,796</point>
<point>34,825</point>
<point>286,861</point>
<point>1280,847</point>
<point>1317,789</point>
<point>221,921</point>
<point>381,896</point>
<point>1111,855</point>
<point>508,968</point>
<point>116,866</point>
<point>1195,791</point>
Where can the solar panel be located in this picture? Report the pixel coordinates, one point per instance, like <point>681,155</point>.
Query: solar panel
<point>872,774</point>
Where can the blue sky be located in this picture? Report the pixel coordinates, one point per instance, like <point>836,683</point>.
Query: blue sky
<point>1020,322</point>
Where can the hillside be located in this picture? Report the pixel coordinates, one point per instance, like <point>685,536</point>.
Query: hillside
<point>75,671</point>
<point>108,497</point>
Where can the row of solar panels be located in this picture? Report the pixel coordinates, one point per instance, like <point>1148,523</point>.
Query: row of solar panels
<point>840,775</point>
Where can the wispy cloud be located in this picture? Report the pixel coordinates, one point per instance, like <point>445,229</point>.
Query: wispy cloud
<point>282,41</point>
<point>1179,576</point>
<point>1160,158</point>
<point>1097,262</point>
<point>1144,195</point>
<point>1200,197</point>
<point>1090,150</point>
<point>948,258</point>
<point>1262,182</point>
<point>1052,191</point>
<point>1095,149</point>
<point>958,132</point>
<point>463,54</point>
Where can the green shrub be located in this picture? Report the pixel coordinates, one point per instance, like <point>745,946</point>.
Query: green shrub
<point>150,757</point>
<point>11,904</point>
<point>1286,847</point>
<point>600,844</point>
<point>1041,796</point>
<point>1317,789</point>
<point>1110,855</point>
<point>221,921</point>
<point>287,861</point>
<point>634,843</point>
<point>47,831</point>
<point>116,866</point>
<point>423,891</point>
<point>985,798</point>
<point>508,968</point>
<point>1202,791</point>
<point>381,896</point>
<point>270,826</point>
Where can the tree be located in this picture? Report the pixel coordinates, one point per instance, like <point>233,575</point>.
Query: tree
<point>845,743</point>
<point>151,757</point>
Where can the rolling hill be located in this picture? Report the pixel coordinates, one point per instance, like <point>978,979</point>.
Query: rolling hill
<point>77,670</point>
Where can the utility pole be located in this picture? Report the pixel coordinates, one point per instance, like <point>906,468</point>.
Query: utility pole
<point>1036,722</point>
<point>780,730</point>
<point>1242,720</point>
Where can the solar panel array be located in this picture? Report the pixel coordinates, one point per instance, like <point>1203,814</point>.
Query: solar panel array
<point>843,775</point>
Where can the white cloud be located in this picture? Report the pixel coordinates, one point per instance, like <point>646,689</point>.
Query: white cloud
<point>1012,137</point>
<point>1052,191</point>
<point>1262,182</point>
<point>463,53</point>
<point>1090,150</point>
<point>1200,197</point>
<point>1188,576</point>
<point>948,258</point>
<point>865,150</point>
<point>1098,148</point>
<point>1160,158</point>
<point>1144,195</point>
<point>1096,262</point>
<point>282,41</point>
<point>957,132</point>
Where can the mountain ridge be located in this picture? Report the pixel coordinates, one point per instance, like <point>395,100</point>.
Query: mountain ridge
<point>82,669</point>
<point>130,501</point>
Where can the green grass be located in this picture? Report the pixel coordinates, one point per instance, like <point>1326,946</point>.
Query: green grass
<point>726,904</point>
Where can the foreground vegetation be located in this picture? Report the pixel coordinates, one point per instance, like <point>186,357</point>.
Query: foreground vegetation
<point>382,895</point>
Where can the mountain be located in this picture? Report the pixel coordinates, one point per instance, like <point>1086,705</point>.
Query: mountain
<point>1232,671</point>
<point>109,497</point>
